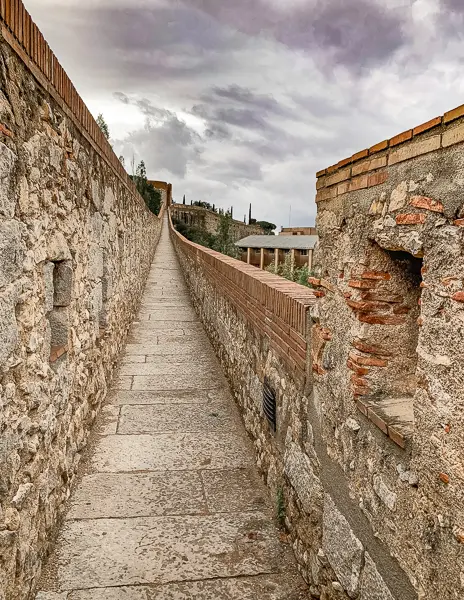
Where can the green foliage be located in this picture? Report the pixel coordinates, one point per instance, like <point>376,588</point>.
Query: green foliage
<point>280,508</point>
<point>103,126</point>
<point>195,234</point>
<point>203,204</point>
<point>267,227</point>
<point>303,273</point>
<point>151,195</point>
<point>224,241</point>
<point>221,241</point>
<point>287,269</point>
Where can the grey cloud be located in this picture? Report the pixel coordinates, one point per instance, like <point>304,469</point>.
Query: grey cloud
<point>238,117</point>
<point>451,19</point>
<point>237,171</point>
<point>453,5</point>
<point>256,145</point>
<point>164,143</point>
<point>355,34</point>
<point>242,95</point>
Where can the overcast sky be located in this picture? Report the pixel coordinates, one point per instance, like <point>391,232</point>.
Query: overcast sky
<point>238,101</point>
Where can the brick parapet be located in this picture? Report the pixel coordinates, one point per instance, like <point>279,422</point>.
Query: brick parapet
<point>369,167</point>
<point>22,34</point>
<point>274,306</point>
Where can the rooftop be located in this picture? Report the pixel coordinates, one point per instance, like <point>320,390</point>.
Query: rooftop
<point>284,242</point>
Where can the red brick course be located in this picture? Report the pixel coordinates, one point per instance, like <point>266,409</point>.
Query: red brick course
<point>427,203</point>
<point>410,219</point>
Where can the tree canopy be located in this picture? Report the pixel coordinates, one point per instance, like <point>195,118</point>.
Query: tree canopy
<point>103,126</point>
<point>267,227</point>
<point>151,195</point>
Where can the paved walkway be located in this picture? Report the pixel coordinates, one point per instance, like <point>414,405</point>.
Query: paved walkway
<point>170,506</point>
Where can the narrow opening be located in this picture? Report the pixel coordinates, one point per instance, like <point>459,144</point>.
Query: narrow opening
<point>384,358</point>
<point>58,277</point>
<point>269,404</point>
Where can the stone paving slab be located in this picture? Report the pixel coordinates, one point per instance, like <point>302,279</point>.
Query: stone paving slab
<point>168,417</point>
<point>120,495</point>
<point>181,348</point>
<point>170,397</point>
<point>168,367</point>
<point>260,587</point>
<point>171,451</point>
<point>188,327</point>
<point>112,552</point>
<point>234,490</point>
<point>177,381</point>
<point>169,505</point>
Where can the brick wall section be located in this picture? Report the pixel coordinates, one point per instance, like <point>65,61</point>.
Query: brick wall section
<point>257,324</point>
<point>277,308</point>
<point>387,341</point>
<point>369,168</point>
<point>19,30</point>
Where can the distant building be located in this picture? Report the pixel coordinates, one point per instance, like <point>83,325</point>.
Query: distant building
<point>262,250</point>
<point>298,231</point>
<point>208,221</point>
<point>165,189</point>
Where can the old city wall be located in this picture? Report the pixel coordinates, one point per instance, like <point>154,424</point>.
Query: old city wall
<point>387,343</point>
<point>260,327</point>
<point>76,242</point>
<point>209,221</point>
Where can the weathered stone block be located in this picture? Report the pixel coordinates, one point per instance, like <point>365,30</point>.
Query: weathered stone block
<point>12,252</point>
<point>7,165</point>
<point>59,325</point>
<point>372,585</point>
<point>384,493</point>
<point>63,283</point>
<point>342,548</point>
<point>8,325</point>
<point>300,473</point>
<point>96,306</point>
<point>58,248</point>
<point>48,269</point>
<point>95,262</point>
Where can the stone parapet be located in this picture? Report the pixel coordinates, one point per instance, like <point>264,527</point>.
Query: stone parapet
<point>260,326</point>
<point>389,280</point>
<point>76,243</point>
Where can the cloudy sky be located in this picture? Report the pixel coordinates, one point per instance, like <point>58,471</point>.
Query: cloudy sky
<point>238,101</point>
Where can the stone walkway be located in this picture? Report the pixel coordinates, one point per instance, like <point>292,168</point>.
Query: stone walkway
<point>170,505</point>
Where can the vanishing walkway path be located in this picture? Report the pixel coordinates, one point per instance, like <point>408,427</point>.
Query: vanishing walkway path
<point>170,506</point>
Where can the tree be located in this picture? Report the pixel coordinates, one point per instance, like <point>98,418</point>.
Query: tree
<point>184,200</point>
<point>103,126</point>
<point>121,160</point>
<point>151,195</point>
<point>267,227</point>
<point>203,204</point>
<point>224,242</point>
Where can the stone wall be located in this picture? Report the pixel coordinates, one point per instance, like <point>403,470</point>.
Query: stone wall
<point>389,328</point>
<point>76,243</point>
<point>259,325</point>
<point>209,221</point>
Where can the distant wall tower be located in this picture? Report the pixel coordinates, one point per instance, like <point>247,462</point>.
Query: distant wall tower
<point>165,189</point>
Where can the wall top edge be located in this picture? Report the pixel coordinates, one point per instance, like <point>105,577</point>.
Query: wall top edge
<point>405,137</point>
<point>19,31</point>
<point>297,293</point>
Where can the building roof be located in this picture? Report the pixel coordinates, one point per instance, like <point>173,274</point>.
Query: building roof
<point>283,242</point>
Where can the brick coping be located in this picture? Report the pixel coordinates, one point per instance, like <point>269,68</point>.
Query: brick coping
<point>288,300</point>
<point>438,124</point>
<point>24,37</point>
